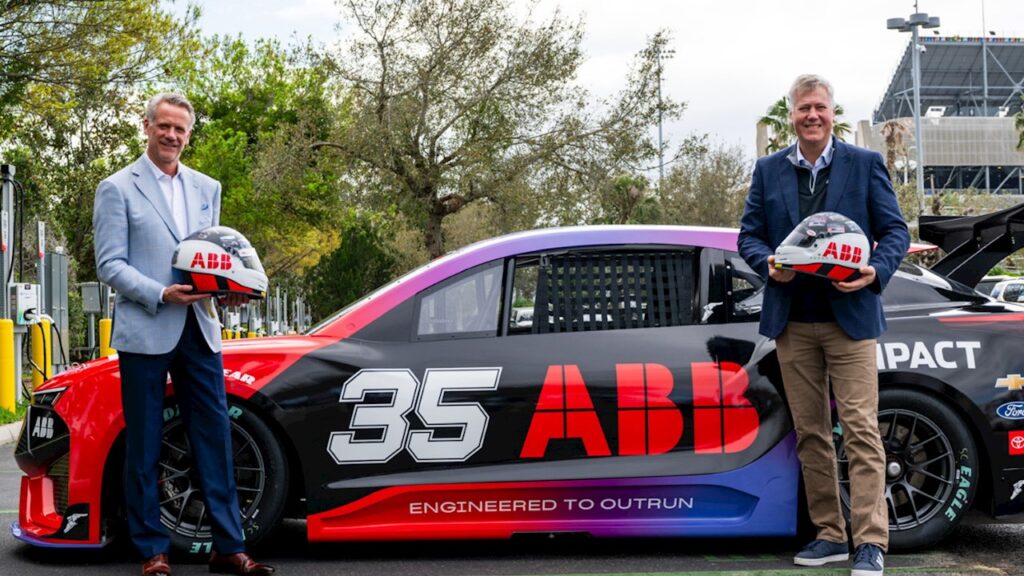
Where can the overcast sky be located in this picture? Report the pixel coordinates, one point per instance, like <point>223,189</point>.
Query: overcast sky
<point>732,60</point>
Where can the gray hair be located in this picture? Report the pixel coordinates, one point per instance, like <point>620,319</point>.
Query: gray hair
<point>173,99</point>
<point>807,82</point>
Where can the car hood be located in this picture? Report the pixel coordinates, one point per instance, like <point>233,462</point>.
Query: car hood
<point>248,364</point>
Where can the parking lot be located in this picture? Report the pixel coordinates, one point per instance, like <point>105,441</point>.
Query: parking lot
<point>972,549</point>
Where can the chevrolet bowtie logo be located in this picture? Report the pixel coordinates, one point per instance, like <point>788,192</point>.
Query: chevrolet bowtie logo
<point>1011,381</point>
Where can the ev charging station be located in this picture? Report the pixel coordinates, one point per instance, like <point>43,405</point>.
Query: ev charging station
<point>29,310</point>
<point>10,357</point>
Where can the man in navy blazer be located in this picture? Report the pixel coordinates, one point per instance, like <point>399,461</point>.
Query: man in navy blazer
<point>825,331</point>
<point>140,215</point>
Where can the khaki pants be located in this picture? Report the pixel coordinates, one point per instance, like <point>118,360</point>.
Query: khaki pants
<point>810,354</point>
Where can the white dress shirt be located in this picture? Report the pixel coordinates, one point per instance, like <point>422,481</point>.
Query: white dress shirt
<point>173,189</point>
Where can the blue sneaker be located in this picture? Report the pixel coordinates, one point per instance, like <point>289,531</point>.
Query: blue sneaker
<point>821,552</point>
<point>868,560</point>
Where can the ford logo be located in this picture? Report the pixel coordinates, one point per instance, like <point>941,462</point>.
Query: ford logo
<point>1011,411</point>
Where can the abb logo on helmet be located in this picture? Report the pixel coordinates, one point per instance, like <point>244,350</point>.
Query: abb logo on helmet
<point>844,253</point>
<point>213,261</point>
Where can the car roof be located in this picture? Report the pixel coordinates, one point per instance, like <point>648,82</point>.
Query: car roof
<point>361,313</point>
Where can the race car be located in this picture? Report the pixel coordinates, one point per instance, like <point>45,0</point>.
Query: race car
<point>639,400</point>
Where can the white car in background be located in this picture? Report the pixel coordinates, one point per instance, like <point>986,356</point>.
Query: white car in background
<point>522,317</point>
<point>987,283</point>
<point>1009,290</point>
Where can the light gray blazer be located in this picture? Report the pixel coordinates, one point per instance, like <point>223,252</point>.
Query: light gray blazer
<point>135,239</point>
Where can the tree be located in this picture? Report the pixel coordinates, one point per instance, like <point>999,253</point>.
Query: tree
<point>627,199</point>
<point>599,180</point>
<point>358,265</point>
<point>259,107</point>
<point>70,76</point>
<point>455,102</point>
<point>840,128</point>
<point>894,132</point>
<point>780,127</point>
<point>1018,122</point>
<point>707,187</point>
<point>60,48</point>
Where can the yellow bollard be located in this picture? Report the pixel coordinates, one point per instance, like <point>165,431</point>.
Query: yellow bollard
<point>7,388</point>
<point>106,325</point>
<point>253,334</point>
<point>42,354</point>
<point>225,334</point>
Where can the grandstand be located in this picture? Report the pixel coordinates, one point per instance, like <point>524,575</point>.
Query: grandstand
<point>968,105</point>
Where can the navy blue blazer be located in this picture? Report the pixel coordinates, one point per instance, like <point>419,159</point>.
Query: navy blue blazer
<point>859,188</point>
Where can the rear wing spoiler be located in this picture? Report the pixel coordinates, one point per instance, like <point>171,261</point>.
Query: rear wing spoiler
<point>974,244</point>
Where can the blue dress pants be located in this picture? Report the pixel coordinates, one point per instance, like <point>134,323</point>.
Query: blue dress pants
<point>197,375</point>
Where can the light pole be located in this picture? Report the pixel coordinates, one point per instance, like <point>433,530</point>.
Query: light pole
<point>916,20</point>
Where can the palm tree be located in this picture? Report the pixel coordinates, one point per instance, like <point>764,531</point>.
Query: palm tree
<point>780,129</point>
<point>1018,121</point>
<point>841,129</point>
<point>894,132</point>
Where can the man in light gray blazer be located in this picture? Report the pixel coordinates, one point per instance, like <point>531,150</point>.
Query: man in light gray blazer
<point>140,215</point>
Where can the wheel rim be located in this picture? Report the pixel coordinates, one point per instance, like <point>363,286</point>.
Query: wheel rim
<point>182,509</point>
<point>919,468</point>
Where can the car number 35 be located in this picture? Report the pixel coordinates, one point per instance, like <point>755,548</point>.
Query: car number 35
<point>404,393</point>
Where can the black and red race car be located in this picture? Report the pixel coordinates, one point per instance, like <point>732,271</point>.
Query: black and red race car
<point>636,400</point>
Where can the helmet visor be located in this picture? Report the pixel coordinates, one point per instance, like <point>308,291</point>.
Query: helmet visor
<point>249,258</point>
<point>802,236</point>
<point>820,226</point>
<point>233,243</point>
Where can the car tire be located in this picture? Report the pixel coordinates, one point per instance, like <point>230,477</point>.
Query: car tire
<point>931,467</point>
<point>261,478</point>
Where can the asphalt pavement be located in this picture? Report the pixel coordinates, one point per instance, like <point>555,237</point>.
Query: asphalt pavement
<point>975,549</point>
<point>9,433</point>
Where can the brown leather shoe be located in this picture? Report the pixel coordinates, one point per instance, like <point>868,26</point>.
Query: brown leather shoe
<point>156,566</point>
<point>240,563</point>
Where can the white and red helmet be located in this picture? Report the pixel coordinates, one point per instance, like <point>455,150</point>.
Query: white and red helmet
<point>826,244</point>
<point>220,260</point>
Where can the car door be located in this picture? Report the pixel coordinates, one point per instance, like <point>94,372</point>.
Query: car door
<point>622,375</point>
